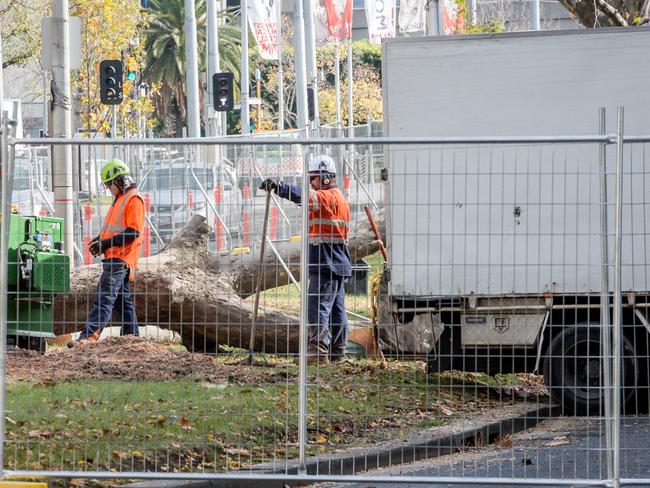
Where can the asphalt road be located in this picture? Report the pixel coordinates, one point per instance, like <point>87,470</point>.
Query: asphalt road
<point>562,448</point>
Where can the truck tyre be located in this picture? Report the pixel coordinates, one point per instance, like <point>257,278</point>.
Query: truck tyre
<point>573,370</point>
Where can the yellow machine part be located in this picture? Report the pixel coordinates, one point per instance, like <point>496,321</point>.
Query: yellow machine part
<point>23,484</point>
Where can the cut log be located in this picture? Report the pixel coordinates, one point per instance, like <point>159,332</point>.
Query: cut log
<point>202,295</point>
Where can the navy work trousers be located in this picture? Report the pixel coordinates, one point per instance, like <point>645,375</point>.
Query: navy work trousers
<point>113,295</point>
<point>328,322</point>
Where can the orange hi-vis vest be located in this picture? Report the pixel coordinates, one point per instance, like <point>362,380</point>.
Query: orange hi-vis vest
<point>127,210</point>
<point>329,217</point>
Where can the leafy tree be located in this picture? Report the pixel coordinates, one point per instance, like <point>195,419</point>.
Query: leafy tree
<point>21,30</point>
<point>608,13</point>
<point>366,99</point>
<point>165,58</point>
<point>109,31</point>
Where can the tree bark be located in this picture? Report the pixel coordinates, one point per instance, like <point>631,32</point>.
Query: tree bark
<point>202,295</point>
<point>608,13</point>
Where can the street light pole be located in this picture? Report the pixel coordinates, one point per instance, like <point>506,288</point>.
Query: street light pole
<point>280,73</point>
<point>310,55</point>
<point>212,27</point>
<point>300,62</point>
<point>62,121</point>
<point>245,129</point>
<point>192,71</point>
<point>534,15</point>
<point>258,80</point>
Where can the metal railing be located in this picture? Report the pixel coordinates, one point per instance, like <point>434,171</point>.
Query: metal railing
<point>497,256</point>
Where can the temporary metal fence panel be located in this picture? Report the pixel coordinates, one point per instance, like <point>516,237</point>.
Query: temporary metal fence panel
<point>493,280</point>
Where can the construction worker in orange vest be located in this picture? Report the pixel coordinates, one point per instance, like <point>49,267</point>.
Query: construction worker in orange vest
<point>329,259</point>
<point>119,241</point>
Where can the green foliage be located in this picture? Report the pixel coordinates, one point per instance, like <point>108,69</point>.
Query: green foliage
<point>20,28</point>
<point>165,59</point>
<point>368,53</point>
<point>367,98</point>
<point>109,31</point>
<point>485,27</point>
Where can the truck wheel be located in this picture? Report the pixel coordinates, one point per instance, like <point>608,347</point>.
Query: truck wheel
<point>573,370</point>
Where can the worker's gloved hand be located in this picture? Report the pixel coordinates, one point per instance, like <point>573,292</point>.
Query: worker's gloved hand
<point>95,247</point>
<point>269,185</point>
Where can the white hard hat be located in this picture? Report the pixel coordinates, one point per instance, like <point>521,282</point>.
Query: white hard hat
<point>322,163</point>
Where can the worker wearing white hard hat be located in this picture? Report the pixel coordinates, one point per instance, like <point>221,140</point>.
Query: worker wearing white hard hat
<point>329,258</point>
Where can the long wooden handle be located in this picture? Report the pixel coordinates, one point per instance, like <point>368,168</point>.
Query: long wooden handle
<point>375,230</point>
<point>258,286</point>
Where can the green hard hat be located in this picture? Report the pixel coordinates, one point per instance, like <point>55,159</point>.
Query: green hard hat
<point>113,169</point>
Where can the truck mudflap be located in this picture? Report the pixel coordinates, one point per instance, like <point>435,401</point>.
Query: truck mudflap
<point>416,337</point>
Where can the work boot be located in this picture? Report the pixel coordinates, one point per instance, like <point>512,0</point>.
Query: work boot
<point>337,358</point>
<point>315,355</point>
<point>94,337</point>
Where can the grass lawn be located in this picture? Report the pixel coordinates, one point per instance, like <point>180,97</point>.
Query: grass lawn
<point>287,297</point>
<point>193,426</point>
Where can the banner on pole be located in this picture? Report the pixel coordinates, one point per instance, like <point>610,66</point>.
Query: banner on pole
<point>263,22</point>
<point>380,15</point>
<point>412,16</point>
<point>453,20</point>
<point>333,19</point>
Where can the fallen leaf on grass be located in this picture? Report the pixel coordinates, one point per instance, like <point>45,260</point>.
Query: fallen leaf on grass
<point>157,420</point>
<point>446,411</point>
<point>119,454</point>
<point>184,422</point>
<point>45,434</point>
<point>234,451</point>
<point>320,439</point>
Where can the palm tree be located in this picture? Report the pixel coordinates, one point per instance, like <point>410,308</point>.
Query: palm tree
<point>165,48</point>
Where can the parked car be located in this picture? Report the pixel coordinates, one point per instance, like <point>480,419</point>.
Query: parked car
<point>30,188</point>
<point>175,194</point>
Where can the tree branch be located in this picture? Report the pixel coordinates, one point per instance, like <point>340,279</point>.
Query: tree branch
<point>613,14</point>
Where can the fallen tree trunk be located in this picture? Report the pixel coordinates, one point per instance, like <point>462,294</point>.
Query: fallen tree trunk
<point>202,295</point>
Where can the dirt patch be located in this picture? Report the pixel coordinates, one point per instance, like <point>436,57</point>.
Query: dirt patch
<point>128,359</point>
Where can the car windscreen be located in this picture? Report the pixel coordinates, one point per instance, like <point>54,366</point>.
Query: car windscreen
<point>22,178</point>
<point>177,179</point>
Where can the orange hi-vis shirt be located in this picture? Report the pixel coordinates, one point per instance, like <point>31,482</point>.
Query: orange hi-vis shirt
<point>127,210</point>
<point>329,217</point>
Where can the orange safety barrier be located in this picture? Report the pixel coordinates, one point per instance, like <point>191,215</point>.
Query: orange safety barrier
<point>246,217</point>
<point>273,232</point>
<point>218,228</point>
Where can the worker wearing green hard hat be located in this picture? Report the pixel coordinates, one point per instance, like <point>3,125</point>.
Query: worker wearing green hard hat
<point>119,241</point>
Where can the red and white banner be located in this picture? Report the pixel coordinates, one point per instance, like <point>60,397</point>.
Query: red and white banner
<point>263,22</point>
<point>380,15</point>
<point>453,20</point>
<point>333,19</point>
<point>412,16</point>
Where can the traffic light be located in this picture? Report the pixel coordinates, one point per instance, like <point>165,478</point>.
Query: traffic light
<point>222,87</point>
<point>110,81</point>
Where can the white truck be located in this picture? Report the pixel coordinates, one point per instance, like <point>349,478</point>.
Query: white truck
<point>495,249</point>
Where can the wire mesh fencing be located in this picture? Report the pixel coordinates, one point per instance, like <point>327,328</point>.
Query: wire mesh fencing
<point>474,350</point>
